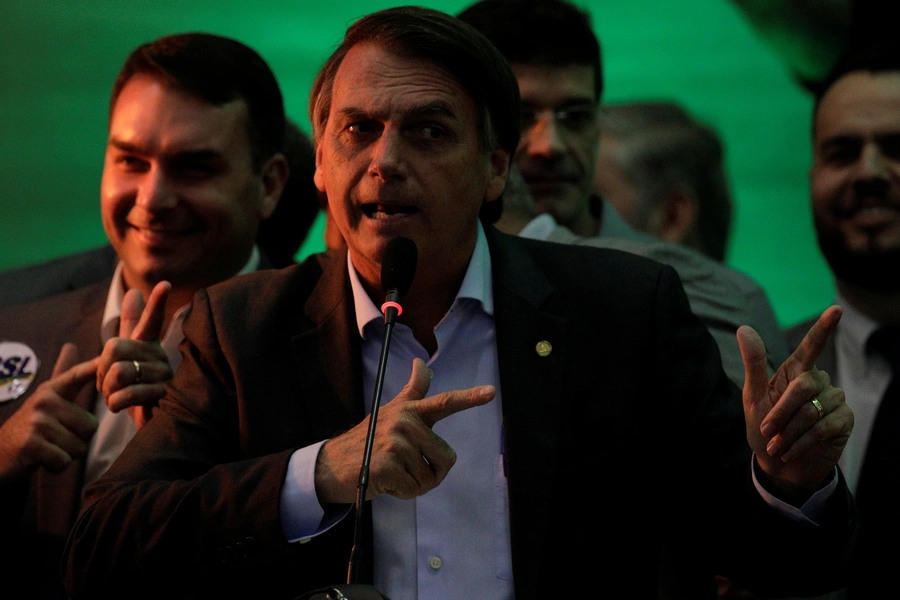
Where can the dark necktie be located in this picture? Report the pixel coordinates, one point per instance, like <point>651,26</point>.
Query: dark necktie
<point>876,565</point>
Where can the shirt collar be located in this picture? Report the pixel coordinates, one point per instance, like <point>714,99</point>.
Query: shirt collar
<point>853,333</point>
<point>539,228</point>
<point>476,285</point>
<point>113,311</point>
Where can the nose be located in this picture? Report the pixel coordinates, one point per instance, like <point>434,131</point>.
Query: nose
<point>543,137</point>
<point>387,156</point>
<point>156,190</point>
<point>873,164</point>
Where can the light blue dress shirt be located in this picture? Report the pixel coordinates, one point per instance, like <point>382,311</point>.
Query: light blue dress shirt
<point>452,542</point>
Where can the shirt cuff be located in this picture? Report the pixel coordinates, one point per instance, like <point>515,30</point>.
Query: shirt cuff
<point>302,517</point>
<point>811,511</point>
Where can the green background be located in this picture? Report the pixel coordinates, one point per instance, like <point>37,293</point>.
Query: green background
<point>58,60</point>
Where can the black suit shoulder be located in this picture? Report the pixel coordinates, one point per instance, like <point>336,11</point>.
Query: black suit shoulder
<point>57,276</point>
<point>568,260</point>
<point>273,296</point>
<point>583,274</point>
<point>41,318</point>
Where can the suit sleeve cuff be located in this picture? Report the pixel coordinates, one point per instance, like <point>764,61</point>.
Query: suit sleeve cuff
<point>812,510</point>
<point>302,517</point>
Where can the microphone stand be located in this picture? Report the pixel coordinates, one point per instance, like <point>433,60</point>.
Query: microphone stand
<point>353,590</point>
<point>391,309</point>
<point>397,271</point>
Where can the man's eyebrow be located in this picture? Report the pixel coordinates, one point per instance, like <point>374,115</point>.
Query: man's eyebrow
<point>430,109</point>
<point>890,136</point>
<point>841,139</point>
<point>199,155</point>
<point>572,102</point>
<point>124,146</point>
<point>352,113</point>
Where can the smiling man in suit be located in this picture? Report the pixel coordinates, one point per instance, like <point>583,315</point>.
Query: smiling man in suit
<point>505,412</point>
<point>193,164</point>
<point>855,191</point>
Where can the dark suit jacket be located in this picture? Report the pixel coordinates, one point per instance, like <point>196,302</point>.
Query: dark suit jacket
<point>43,510</point>
<point>37,514</point>
<point>723,298</point>
<point>57,276</point>
<point>632,399</point>
<point>870,574</point>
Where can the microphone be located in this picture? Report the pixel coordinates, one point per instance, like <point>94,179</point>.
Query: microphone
<point>398,267</point>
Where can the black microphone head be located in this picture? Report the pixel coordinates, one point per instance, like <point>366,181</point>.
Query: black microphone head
<point>398,266</point>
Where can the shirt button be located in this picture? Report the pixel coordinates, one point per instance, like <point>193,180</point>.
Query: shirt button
<point>435,562</point>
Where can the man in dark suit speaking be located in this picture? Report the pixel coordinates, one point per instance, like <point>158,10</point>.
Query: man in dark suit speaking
<point>243,479</point>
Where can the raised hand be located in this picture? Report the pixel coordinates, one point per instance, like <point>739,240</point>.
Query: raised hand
<point>49,430</point>
<point>797,444</point>
<point>408,458</point>
<point>133,367</point>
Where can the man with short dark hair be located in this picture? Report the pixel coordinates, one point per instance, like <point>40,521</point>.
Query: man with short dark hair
<point>245,476</point>
<point>855,191</point>
<point>279,236</point>
<point>555,55</point>
<point>193,164</point>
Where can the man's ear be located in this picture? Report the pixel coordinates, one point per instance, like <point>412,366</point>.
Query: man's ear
<point>675,216</point>
<point>274,175</point>
<point>499,173</point>
<point>319,176</point>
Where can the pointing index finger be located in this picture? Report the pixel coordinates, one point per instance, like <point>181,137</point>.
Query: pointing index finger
<point>434,408</point>
<point>68,358</point>
<point>132,307</point>
<point>149,328</point>
<point>814,342</point>
<point>68,383</point>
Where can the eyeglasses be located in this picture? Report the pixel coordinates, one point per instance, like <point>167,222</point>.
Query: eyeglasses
<point>576,118</point>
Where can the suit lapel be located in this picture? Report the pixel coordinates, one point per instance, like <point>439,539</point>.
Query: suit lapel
<point>328,357</point>
<point>327,353</point>
<point>59,495</point>
<point>531,388</point>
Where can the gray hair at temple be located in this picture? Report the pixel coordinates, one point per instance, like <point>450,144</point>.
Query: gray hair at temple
<point>426,34</point>
<point>660,147</point>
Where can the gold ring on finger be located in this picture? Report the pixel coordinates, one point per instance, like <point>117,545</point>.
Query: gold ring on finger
<point>818,405</point>
<point>137,376</point>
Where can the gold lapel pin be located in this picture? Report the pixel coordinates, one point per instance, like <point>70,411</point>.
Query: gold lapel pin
<point>543,348</point>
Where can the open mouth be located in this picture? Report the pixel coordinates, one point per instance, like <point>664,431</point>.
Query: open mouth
<point>387,211</point>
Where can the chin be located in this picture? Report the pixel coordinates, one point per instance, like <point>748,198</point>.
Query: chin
<point>870,269</point>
